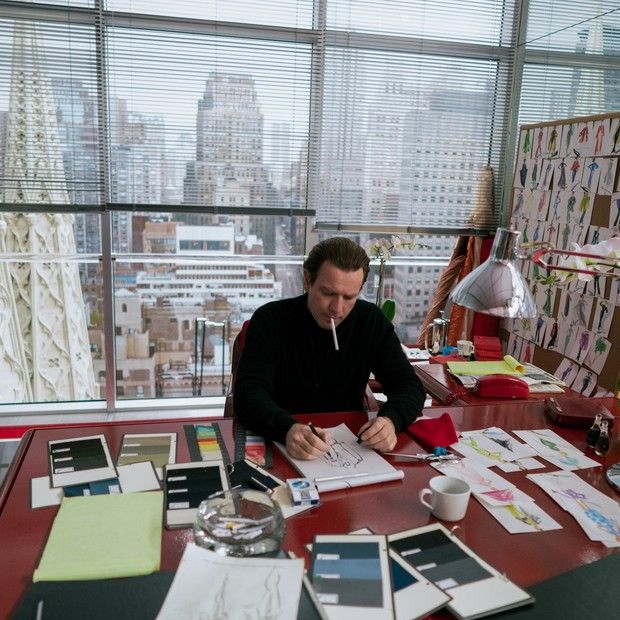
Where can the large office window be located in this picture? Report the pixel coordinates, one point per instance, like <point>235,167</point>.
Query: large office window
<point>165,166</point>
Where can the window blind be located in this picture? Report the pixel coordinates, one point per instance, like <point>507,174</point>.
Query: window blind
<point>205,120</point>
<point>572,63</point>
<point>50,135</point>
<point>416,103</point>
<point>375,114</point>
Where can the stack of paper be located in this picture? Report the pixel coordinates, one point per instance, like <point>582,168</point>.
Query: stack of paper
<point>508,366</point>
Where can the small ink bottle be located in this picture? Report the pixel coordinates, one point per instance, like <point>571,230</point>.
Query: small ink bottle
<point>602,443</point>
<point>594,431</point>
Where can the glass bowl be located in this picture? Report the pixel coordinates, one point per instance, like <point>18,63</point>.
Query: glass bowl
<point>240,522</point>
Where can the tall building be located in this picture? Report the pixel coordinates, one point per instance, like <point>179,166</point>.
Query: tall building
<point>44,345</point>
<point>229,162</point>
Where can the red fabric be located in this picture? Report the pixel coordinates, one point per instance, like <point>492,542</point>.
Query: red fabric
<point>485,324</point>
<point>434,433</point>
<point>487,348</point>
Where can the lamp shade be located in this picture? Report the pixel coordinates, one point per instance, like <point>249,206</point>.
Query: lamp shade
<point>497,287</point>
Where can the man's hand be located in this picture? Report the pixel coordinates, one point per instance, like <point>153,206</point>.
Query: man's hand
<point>378,434</point>
<point>302,443</point>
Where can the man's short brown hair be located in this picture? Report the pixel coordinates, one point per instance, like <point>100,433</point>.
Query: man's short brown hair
<point>341,252</point>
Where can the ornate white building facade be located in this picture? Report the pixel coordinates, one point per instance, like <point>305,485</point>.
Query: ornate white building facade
<point>44,346</point>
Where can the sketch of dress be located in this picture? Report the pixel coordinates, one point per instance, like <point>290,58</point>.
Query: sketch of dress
<point>341,455</point>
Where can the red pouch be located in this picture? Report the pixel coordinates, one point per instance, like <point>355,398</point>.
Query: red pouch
<point>433,433</point>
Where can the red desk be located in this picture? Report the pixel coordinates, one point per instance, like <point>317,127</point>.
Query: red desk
<point>440,385</point>
<point>384,508</point>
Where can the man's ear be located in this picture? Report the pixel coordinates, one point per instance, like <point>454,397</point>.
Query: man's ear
<point>306,281</point>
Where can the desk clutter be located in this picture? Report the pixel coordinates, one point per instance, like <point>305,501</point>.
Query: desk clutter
<point>506,377</point>
<point>108,528</point>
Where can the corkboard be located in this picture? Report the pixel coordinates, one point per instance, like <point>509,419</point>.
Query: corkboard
<point>566,189</point>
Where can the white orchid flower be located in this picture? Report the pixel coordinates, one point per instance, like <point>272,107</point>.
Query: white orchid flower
<point>608,249</point>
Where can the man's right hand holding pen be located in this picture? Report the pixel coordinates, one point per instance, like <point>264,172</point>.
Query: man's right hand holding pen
<point>306,441</point>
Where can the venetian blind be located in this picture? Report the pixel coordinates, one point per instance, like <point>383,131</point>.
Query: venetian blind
<point>416,104</point>
<point>572,60</point>
<point>50,138</point>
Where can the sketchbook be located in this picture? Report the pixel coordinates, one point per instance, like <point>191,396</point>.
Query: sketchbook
<point>347,464</point>
<point>477,589</point>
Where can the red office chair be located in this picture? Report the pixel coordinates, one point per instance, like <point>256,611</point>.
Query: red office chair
<point>237,348</point>
<point>370,402</point>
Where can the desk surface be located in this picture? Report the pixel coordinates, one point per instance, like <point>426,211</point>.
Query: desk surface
<point>444,388</point>
<point>384,508</point>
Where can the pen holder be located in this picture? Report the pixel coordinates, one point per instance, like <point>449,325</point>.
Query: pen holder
<point>239,522</point>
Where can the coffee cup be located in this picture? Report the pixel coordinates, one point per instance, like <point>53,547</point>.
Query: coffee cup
<point>465,347</point>
<point>448,497</point>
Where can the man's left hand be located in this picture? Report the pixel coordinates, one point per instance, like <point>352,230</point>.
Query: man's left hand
<point>378,434</point>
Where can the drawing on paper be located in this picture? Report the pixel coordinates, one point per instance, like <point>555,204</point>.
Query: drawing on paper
<point>342,454</point>
<point>528,518</point>
<point>269,607</point>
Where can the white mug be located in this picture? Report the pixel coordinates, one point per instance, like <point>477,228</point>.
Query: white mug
<point>449,497</point>
<point>465,347</point>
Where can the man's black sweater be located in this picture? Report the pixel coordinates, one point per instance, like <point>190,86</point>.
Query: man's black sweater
<point>289,365</point>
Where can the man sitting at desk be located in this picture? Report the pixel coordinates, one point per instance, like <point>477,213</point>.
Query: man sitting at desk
<point>314,353</point>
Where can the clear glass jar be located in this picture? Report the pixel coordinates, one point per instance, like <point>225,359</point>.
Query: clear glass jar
<point>240,522</point>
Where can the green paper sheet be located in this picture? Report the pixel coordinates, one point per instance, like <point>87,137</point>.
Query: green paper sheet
<point>508,366</point>
<point>104,536</point>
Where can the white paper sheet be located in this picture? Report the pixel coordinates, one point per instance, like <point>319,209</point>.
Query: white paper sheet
<point>597,514</point>
<point>208,586</point>
<point>138,477</point>
<point>556,450</point>
<point>479,478</point>
<point>523,517</point>
<point>348,464</point>
<point>42,494</point>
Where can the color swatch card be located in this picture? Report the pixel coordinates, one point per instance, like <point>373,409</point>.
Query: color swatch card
<point>79,461</point>
<point>208,442</point>
<point>476,588</point>
<point>414,595</point>
<point>158,448</point>
<point>351,576</point>
<point>186,485</point>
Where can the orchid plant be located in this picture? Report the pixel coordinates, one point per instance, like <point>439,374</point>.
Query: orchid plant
<point>600,258</point>
<point>383,249</point>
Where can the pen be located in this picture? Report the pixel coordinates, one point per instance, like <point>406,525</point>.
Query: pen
<point>316,434</point>
<point>334,335</point>
<point>424,457</point>
<point>343,477</point>
<point>39,614</point>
